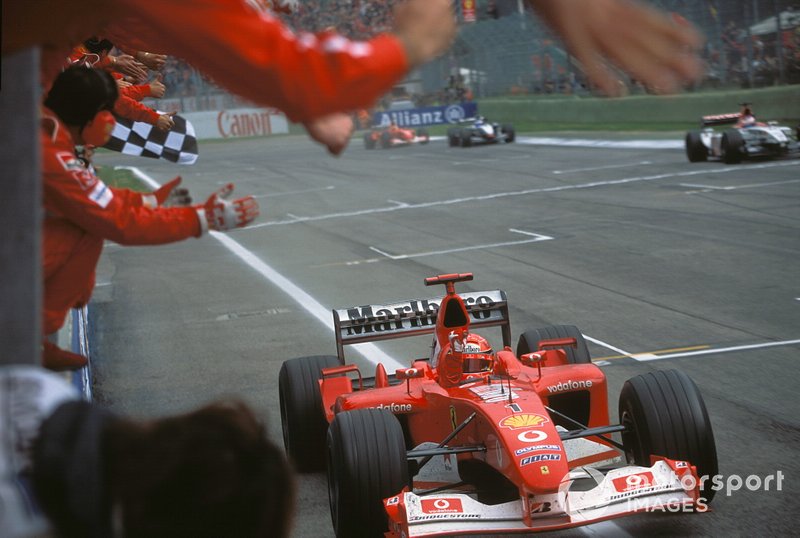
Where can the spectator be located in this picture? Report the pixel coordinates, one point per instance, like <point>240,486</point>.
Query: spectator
<point>209,473</point>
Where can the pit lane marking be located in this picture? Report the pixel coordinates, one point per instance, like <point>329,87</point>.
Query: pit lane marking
<point>609,167</point>
<point>505,194</point>
<point>367,349</point>
<point>536,237</point>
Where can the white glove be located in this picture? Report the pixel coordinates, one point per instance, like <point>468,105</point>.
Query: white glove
<point>222,215</point>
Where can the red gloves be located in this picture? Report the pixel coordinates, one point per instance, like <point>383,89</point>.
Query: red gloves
<point>220,214</point>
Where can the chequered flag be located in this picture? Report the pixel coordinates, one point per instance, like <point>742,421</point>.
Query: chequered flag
<point>178,145</point>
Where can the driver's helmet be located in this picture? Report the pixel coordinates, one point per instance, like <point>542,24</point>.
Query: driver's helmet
<point>479,120</point>
<point>477,354</point>
<point>747,121</point>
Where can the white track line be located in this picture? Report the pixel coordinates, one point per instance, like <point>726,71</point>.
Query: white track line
<point>536,238</point>
<point>736,187</point>
<point>609,167</point>
<point>496,195</point>
<point>651,357</point>
<point>312,306</point>
<point>589,143</point>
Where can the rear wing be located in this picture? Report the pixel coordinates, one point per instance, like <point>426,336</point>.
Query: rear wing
<point>720,119</point>
<point>371,323</point>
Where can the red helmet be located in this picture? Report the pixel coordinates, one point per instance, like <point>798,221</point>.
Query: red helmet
<point>477,354</point>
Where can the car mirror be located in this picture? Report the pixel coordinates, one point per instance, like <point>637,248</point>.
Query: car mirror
<point>409,373</point>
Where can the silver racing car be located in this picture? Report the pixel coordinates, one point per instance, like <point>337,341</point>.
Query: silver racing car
<point>745,139</point>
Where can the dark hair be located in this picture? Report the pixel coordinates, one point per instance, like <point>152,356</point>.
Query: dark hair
<point>209,473</point>
<point>79,92</point>
<point>97,45</point>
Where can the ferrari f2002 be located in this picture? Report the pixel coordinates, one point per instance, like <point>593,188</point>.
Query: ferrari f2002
<point>473,439</point>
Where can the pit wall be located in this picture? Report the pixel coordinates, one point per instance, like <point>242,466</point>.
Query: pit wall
<point>778,103</point>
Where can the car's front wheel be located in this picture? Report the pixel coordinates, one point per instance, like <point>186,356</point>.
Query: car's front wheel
<point>366,463</point>
<point>529,342</point>
<point>302,416</point>
<point>732,146</point>
<point>695,149</point>
<point>664,415</point>
<point>423,135</point>
<point>508,130</point>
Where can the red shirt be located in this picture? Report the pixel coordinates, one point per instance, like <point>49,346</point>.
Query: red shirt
<point>245,50</point>
<point>74,195</point>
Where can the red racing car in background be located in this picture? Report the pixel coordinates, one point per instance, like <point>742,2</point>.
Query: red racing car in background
<point>392,136</point>
<point>471,440</point>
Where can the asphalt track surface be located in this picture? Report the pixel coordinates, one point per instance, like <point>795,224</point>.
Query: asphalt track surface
<point>661,263</point>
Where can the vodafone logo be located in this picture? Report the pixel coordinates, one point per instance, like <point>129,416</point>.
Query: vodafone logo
<point>442,506</point>
<point>532,436</point>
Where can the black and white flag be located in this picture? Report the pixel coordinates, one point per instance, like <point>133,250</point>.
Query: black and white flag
<point>178,145</point>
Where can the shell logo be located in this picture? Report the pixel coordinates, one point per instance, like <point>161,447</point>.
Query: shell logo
<point>525,420</point>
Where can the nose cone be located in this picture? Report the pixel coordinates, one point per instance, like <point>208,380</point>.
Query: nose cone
<point>537,450</point>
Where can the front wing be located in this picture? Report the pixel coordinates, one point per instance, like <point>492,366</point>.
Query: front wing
<point>665,485</point>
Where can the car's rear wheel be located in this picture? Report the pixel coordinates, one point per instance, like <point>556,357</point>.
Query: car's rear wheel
<point>453,137</point>
<point>369,142</point>
<point>302,416</point>
<point>386,139</point>
<point>529,342</point>
<point>664,415</point>
<point>366,463</point>
<point>466,138</point>
<point>695,149</point>
<point>732,146</point>
<point>423,134</point>
<point>508,130</point>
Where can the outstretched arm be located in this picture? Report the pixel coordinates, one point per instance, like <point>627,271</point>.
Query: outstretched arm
<point>656,48</point>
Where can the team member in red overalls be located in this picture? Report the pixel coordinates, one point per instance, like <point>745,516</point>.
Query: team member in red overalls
<point>81,211</point>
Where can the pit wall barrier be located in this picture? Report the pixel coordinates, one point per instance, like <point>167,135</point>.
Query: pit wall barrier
<point>779,103</point>
<point>237,123</point>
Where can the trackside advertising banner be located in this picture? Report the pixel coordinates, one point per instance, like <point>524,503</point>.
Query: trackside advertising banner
<point>431,115</point>
<point>239,122</point>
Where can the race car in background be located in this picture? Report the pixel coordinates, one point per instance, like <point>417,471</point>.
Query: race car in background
<point>480,131</point>
<point>746,138</point>
<point>392,136</point>
<point>479,439</point>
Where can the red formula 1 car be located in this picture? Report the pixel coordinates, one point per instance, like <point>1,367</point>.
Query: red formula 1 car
<point>475,441</point>
<point>391,136</point>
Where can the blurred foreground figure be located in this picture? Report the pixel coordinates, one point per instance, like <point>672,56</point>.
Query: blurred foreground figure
<point>209,473</point>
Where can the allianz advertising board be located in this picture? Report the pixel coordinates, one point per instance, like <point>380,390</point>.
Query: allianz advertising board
<point>430,115</point>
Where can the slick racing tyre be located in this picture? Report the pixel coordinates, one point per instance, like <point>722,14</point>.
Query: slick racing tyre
<point>366,463</point>
<point>453,137</point>
<point>695,149</point>
<point>302,417</point>
<point>529,342</point>
<point>664,415</point>
<point>424,136</point>
<point>386,140</point>
<point>508,130</point>
<point>732,146</point>
<point>369,142</point>
<point>466,138</point>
